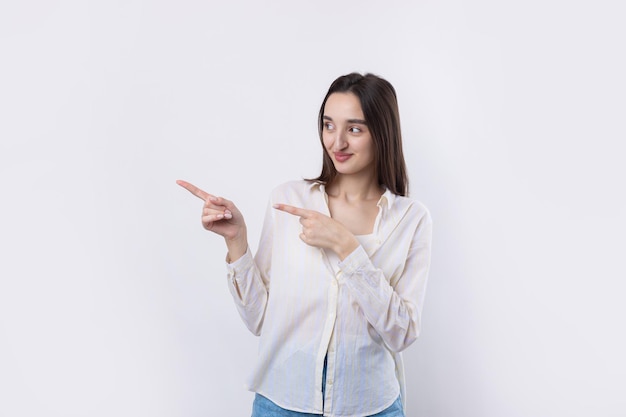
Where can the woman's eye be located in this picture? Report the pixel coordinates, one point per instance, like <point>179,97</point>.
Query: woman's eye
<point>354,129</point>
<point>328,126</point>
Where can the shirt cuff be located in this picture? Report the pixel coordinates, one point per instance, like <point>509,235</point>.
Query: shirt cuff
<point>355,261</point>
<point>241,264</point>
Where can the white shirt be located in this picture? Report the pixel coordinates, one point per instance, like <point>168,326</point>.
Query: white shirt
<point>306,304</point>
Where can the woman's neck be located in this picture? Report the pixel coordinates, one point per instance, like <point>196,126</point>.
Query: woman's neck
<point>354,188</point>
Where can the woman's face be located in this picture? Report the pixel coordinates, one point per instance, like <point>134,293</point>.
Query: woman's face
<point>346,136</point>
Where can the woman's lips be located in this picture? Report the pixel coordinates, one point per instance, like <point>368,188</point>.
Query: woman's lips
<point>342,157</point>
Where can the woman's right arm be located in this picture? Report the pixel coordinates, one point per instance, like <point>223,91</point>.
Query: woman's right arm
<point>221,216</point>
<point>247,286</point>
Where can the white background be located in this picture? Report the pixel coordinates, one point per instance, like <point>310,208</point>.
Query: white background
<point>113,300</point>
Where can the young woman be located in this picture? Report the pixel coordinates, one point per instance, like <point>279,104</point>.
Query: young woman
<point>337,285</point>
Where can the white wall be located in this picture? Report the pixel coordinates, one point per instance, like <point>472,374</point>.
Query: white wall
<point>113,300</point>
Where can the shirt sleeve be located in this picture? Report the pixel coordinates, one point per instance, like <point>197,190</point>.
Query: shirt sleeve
<point>249,279</point>
<point>393,311</point>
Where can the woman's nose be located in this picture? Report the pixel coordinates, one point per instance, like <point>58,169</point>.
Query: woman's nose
<point>340,142</point>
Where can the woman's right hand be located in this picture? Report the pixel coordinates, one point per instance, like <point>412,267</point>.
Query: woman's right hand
<point>221,216</point>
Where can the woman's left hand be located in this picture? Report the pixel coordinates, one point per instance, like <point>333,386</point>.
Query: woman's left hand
<point>322,231</point>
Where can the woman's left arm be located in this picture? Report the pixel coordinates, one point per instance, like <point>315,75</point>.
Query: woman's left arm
<point>393,311</point>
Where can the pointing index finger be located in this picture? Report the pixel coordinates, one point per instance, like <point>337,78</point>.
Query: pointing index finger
<point>296,211</point>
<point>203,195</point>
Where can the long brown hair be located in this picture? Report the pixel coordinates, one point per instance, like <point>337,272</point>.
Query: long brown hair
<point>380,108</point>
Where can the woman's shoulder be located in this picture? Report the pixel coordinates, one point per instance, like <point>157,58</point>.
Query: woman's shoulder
<point>301,193</point>
<point>411,205</point>
<point>295,186</point>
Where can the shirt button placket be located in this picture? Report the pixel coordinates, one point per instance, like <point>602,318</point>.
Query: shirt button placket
<point>330,353</point>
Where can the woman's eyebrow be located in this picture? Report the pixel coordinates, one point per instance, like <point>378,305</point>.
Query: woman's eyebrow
<point>357,121</point>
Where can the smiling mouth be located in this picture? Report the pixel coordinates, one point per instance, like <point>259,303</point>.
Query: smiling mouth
<point>342,157</point>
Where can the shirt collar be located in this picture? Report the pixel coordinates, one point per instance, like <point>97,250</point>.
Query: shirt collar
<point>388,197</point>
<point>316,184</point>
